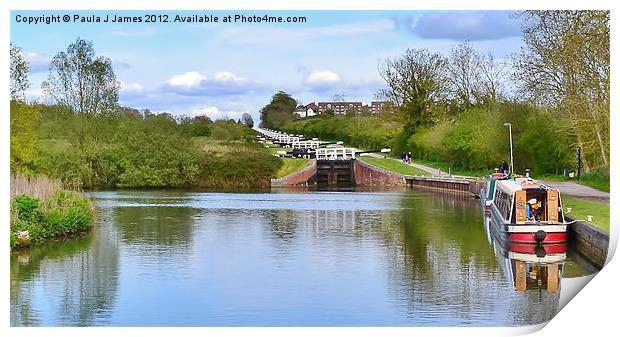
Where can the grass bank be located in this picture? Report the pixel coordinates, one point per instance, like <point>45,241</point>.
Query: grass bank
<point>291,165</point>
<point>54,213</point>
<point>393,165</point>
<point>581,208</point>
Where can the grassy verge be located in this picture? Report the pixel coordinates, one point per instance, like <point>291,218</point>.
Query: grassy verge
<point>393,165</point>
<point>581,208</point>
<point>453,170</point>
<point>34,220</point>
<point>291,165</point>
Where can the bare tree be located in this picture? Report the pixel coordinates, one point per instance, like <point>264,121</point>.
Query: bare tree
<point>81,81</point>
<point>475,78</point>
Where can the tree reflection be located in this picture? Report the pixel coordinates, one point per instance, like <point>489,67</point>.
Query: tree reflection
<point>76,278</point>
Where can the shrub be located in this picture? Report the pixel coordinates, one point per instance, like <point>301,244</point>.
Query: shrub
<point>64,213</point>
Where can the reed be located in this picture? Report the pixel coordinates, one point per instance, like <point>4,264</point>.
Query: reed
<point>40,187</point>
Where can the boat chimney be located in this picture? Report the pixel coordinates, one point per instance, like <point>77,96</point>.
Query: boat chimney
<point>527,172</point>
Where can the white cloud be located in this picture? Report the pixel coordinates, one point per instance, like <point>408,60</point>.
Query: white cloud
<point>222,83</point>
<point>187,80</point>
<point>129,87</point>
<point>322,78</point>
<point>214,113</point>
<point>38,63</point>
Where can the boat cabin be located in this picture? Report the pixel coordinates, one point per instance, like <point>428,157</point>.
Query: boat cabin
<point>522,201</point>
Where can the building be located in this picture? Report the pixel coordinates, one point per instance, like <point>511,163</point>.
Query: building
<point>300,111</point>
<point>340,108</point>
<point>311,109</point>
<point>376,106</point>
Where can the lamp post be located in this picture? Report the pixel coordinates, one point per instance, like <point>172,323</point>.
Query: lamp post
<point>512,164</point>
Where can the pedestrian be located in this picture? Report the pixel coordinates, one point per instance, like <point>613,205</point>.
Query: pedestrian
<point>409,157</point>
<point>505,167</point>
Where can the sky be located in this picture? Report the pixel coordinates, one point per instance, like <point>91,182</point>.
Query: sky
<point>223,70</point>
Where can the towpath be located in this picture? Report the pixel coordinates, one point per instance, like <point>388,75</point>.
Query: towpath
<point>578,190</point>
<point>566,187</point>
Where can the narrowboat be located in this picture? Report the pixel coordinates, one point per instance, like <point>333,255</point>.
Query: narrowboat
<point>487,193</point>
<point>525,211</point>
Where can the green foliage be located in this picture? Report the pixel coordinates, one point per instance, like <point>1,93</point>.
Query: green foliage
<point>596,179</point>
<point>238,166</point>
<point>19,74</point>
<point>66,212</point>
<point>81,81</point>
<point>123,148</point>
<point>474,141</point>
<point>371,132</point>
<point>279,111</point>
<point>25,156</point>
<point>152,152</point>
<point>428,142</point>
<point>27,208</point>
<point>544,144</point>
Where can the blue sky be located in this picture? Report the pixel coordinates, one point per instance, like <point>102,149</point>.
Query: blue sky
<point>226,69</point>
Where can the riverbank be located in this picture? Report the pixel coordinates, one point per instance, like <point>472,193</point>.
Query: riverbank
<point>42,211</point>
<point>127,148</point>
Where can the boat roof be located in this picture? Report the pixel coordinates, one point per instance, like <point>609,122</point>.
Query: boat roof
<point>519,184</point>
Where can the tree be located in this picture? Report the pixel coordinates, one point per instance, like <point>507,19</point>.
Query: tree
<point>25,155</point>
<point>279,111</point>
<point>80,80</point>
<point>475,78</point>
<point>19,74</point>
<point>417,83</point>
<point>463,73</point>
<point>247,120</point>
<point>564,66</point>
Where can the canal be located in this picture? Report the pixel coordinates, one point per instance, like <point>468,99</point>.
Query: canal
<point>396,257</point>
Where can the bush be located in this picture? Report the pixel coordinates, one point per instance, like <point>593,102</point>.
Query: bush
<point>238,166</point>
<point>66,212</point>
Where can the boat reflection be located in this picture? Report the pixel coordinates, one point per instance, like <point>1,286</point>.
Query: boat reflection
<point>529,267</point>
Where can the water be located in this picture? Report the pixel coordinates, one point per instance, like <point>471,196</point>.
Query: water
<point>288,258</point>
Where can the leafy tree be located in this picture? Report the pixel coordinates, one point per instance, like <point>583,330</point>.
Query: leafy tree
<point>279,111</point>
<point>564,65</point>
<point>247,120</point>
<point>80,80</point>
<point>19,74</point>
<point>417,83</point>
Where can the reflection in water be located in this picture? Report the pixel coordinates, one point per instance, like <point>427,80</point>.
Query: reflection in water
<point>400,257</point>
<point>67,283</point>
<point>534,273</point>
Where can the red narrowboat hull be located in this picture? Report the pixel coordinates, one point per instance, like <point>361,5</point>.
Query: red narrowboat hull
<point>550,238</point>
